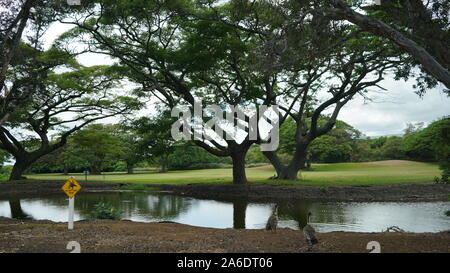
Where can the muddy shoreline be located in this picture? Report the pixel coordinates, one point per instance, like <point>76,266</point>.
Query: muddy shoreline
<point>258,192</point>
<point>252,192</point>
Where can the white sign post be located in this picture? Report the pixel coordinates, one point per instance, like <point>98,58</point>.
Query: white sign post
<point>71,211</point>
<point>71,188</point>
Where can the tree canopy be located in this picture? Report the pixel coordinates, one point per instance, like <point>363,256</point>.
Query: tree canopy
<point>66,96</point>
<point>308,58</point>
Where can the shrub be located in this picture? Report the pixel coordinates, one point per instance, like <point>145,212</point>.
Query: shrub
<point>442,180</point>
<point>105,210</point>
<point>444,166</point>
<point>119,166</point>
<point>5,171</point>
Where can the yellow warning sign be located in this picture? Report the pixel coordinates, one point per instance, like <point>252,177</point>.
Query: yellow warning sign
<point>71,187</point>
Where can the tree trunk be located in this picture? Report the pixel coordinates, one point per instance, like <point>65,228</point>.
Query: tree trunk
<point>303,166</point>
<point>239,176</point>
<point>296,164</point>
<point>130,169</point>
<point>66,170</point>
<point>275,161</point>
<point>19,168</point>
<point>308,163</point>
<point>95,170</point>
<point>164,164</point>
<point>16,210</point>
<point>289,173</point>
<point>97,164</point>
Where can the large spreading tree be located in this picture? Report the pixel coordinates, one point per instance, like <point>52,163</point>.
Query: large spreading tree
<point>419,28</point>
<point>250,53</point>
<point>22,23</point>
<point>66,97</point>
<point>153,141</point>
<point>14,16</point>
<point>180,58</point>
<point>350,71</point>
<point>99,143</point>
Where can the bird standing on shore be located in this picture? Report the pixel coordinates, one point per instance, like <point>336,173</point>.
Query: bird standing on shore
<point>309,232</point>
<point>272,222</point>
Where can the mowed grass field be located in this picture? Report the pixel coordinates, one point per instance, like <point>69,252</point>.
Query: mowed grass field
<point>344,174</point>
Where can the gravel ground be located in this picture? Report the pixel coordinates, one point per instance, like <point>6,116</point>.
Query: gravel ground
<point>126,236</point>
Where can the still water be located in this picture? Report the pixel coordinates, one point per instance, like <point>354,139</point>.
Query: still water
<point>326,216</point>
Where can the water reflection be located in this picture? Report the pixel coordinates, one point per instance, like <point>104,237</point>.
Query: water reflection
<point>239,211</point>
<point>16,210</point>
<point>326,217</point>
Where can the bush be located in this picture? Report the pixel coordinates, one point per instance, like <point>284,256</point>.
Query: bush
<point>119,166</point>
<point>444,166</point>
<point>5,171</point>
<point>105,211</point>
<point>442,180</point>
<point>255,156</point>
<point>188,157</point>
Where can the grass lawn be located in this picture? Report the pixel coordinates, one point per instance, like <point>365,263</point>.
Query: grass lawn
<point>367,173</point>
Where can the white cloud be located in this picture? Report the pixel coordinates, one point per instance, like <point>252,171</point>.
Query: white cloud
<point>391,111</point>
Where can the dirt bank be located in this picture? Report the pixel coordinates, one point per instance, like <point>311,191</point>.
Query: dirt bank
<point>254,192</point>
<point>32,188</point>
<point>261,192</point>
<point>125,236</point>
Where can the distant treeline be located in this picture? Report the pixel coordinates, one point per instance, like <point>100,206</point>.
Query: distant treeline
<point>346,144</point>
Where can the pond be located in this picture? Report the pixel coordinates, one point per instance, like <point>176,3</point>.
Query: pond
<point>153,207</point>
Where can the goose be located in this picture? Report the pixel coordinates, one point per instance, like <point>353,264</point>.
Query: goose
<point>309,232</point>
<point>272,222</point>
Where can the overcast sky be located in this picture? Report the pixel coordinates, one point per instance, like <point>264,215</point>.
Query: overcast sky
<point>391,111</point>
<point>387,114</point>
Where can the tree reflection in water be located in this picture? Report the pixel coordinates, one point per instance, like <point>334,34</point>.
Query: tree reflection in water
<point>239,213</point>
<point>168,207</point>
<point>16,210</point>
<point>157,206</point>
<point>298,211</point>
